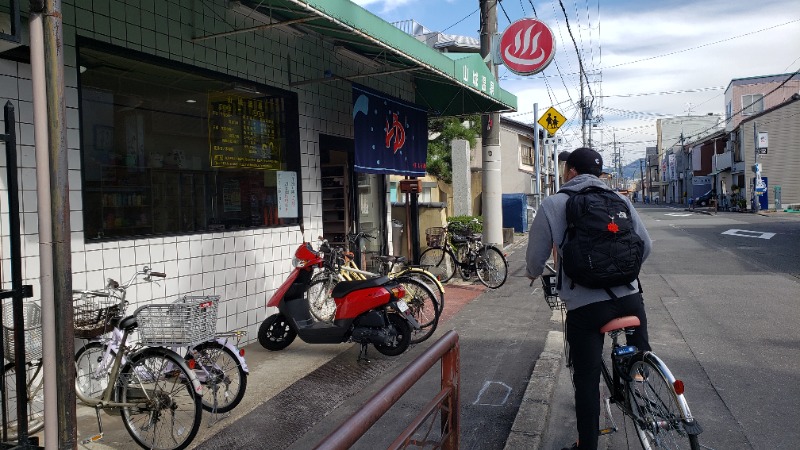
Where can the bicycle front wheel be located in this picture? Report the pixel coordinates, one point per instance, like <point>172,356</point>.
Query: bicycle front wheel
<point>167,413</point>
<point>223,378</point>
<point>423,305</point>
<point>440,262</point>
<point>33,396</point>
<point>491,266</point>
<point>659,416</point>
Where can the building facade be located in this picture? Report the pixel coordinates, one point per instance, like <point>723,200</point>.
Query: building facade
<point>208,139</point>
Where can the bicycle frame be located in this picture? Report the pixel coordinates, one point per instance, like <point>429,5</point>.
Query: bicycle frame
<point>105,400</point>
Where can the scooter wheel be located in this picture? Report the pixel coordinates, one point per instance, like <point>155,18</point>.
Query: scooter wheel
<point>275,333</point>
<point>401,341</point>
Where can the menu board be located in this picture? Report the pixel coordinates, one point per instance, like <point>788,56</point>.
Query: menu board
<point>244,132</point>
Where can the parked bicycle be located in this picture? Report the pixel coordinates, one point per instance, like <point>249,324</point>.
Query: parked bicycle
<point>457,247</point>
<point>215,357</point>
<point>34,376</point>
<point>640,385</point>
<point>340,265</point>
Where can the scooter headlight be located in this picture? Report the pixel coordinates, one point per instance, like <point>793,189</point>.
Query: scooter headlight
<point>297,262</point>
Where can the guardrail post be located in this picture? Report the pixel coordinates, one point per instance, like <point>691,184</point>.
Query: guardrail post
<point>450,417</point>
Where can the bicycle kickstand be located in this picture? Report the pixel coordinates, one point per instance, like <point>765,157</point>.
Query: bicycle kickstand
<point>99,436</point>
<point>362,354</point>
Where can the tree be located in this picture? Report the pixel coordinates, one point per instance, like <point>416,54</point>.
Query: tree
<point>440,161</point>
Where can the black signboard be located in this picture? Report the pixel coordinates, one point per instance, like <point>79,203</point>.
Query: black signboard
<point>244,132</point>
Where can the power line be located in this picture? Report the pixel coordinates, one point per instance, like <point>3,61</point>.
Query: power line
<point>703,45</point>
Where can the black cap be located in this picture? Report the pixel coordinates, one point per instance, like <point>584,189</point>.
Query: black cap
<point>586,160</point>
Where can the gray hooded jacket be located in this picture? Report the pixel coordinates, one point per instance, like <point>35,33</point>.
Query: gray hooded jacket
<point>548,229</point>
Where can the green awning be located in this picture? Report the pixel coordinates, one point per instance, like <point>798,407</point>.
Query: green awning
<point>446,84</point>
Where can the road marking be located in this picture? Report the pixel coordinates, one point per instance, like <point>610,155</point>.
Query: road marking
<point>747,233</point>
<point>494,390</point>
<point>678,214</point>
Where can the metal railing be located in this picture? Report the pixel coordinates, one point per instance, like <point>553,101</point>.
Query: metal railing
<point>446,402</point>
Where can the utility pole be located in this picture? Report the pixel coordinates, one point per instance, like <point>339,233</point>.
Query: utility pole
<point>492,196</point>
<point>537,191</point>
<point>757,167</point>
<point>641,175</point>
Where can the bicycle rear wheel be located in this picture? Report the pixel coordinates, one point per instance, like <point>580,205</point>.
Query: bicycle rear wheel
<point>168,412</point>
<point>423,305</point>
<point>321,304</point>
<point>33,395</point>
<point>91,377</point>
<point>224,379</point>
<point>440,262</point>
<point>491,266</point>
<point>661,420</point>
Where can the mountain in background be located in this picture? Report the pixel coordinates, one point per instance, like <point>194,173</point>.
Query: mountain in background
<point>631,170</point>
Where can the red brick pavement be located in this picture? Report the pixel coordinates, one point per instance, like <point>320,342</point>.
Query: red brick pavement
<point>458,295</point>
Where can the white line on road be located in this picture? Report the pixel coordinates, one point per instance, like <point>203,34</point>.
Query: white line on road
<point>750,234</point>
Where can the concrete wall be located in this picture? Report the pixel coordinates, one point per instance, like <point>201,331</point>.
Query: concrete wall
<point>244,267</point>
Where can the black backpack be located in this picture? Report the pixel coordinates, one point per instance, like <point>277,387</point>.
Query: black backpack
<point>600,248</point>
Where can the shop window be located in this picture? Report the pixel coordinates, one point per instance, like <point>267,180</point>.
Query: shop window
<point>172,149</point>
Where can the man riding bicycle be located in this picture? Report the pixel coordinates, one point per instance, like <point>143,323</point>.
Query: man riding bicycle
<point>588,308</point>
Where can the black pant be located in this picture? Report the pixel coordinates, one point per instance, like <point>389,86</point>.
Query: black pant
<point>585,351</point>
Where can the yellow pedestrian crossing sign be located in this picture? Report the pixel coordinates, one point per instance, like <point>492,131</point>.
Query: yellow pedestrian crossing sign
<point>552,120</point>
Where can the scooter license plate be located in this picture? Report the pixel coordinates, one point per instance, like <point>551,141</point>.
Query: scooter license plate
<point>401,305</point>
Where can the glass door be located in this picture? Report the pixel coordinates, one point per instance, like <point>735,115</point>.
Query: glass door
<point>371,204</point>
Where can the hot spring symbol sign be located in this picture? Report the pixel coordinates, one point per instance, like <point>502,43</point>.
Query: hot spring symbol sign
<point>527,46</point>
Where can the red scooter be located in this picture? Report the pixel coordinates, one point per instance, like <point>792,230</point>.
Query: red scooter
<point>367,311</point>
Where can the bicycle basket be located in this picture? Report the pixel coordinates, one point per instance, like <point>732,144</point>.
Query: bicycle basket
<point>434,236</point>
<point>189,321</point>
<point>32,316</point>
<point>550,291</point>
<point>96,312</point>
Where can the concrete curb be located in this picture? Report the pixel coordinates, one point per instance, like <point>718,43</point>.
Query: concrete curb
<point>534,411</point>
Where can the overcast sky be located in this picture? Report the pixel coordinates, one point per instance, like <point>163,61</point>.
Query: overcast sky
<point>631,47</point>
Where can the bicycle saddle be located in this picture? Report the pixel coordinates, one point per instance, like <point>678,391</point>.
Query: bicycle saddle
<point>393,259</point>
<point>128,323</point>
<point>620,323</point>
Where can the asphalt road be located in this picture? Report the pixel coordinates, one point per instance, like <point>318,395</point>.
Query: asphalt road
<point>724,303</point>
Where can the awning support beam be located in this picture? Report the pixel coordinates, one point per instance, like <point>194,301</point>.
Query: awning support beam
<point>251,29</point>
<point>352,77</point>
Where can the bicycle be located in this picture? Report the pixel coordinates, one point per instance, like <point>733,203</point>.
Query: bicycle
<point>157,394</point>
<point>216,361</point>
<point>640,384</point>
<point>339,266</point>
<point>474,257</point>
<point>34,376</point>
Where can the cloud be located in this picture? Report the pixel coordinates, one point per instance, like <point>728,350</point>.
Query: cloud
<point>633,46</point>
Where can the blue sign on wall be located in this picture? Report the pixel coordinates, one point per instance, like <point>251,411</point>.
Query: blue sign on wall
<point>391,136</point>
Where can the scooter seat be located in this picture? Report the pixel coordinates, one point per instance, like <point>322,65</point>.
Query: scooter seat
<point>346,287</point>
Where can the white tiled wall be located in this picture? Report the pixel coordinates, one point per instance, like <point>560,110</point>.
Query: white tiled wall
<point>243,267</point>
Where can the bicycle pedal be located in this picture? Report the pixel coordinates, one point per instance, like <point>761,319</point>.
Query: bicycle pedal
<point>94,438</point>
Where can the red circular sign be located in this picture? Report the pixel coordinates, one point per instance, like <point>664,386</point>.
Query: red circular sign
<point>527,46</point>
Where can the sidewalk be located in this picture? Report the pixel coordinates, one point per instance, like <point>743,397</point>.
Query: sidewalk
<point>271,373</point>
